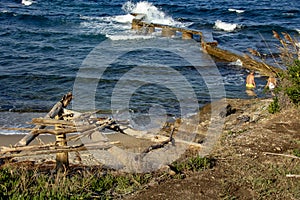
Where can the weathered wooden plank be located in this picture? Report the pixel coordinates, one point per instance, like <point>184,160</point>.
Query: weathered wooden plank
<point>52,122</point>
<point>156,138</point>
<point>51,149</point>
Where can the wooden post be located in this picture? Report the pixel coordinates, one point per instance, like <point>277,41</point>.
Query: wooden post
<point>62,159</point>
<point>167,32</point>
<point>187,35</point>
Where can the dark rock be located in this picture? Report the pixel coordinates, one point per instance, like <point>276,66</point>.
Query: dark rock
<point>226,111</point>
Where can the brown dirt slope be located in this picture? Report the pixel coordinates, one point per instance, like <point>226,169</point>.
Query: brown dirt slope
<point>244,168</point>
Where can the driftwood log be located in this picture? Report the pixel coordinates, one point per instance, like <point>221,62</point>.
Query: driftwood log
<point>9,152</point>
<point>158,138</point>
<point>56,110</point>
<point>280,154</point>
<point>161,144</point>
<point>62,158</point>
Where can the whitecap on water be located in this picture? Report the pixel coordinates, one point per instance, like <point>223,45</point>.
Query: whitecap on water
<point>118,27</point>
<point>123,18</point>
<point>153,14</point>
<point>229,27</point>
<point>236,10</point>
<point>238,62</point>
<point>27,2</point>
<point>129,37</point>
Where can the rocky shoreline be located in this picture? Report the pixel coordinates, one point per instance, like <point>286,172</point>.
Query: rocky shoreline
<point>252,157</point>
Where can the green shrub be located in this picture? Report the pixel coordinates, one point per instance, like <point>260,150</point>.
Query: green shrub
<point>290,82</point>
<point>274,106</point>
<point>288,90</point>
<point>193,164</point>
<point>296,152</point>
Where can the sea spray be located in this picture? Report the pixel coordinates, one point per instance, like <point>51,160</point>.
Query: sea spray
<point>119,27</point>
<point>153,14</point>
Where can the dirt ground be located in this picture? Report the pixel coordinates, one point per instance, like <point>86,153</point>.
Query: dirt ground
<point>246,166</point>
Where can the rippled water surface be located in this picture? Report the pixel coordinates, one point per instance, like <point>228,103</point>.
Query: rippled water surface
<point>45,48</point>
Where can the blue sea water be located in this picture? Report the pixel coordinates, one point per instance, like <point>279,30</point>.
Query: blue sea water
<point>45,44</point>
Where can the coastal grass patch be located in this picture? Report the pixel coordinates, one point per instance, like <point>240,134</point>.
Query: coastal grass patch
<point>296,152</point>
<point>274,106</point>
<point>260,180</point>
<point>288,90</point>
<point>193,164</point>
<point>23,182</point>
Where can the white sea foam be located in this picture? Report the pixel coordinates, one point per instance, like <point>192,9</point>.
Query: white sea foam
<point>7,132</point>
<point>236,10</point>
<point>298,30</point>
<point>118,27</point>
<point>123,18</point>
<point>129,37</point>
<point>105,25</point>
<point>153,14</point>
<point>238,62</point>
<point>27,2</point>
<point>229,27</point>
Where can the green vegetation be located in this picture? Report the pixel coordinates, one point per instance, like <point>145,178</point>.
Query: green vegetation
<point>193,164</point>
<point>288,90</point>
<point>290,83</point>
<point>274,106</point>
<point>20,183</point>
<point>296,152</point>
<point>84,183</point>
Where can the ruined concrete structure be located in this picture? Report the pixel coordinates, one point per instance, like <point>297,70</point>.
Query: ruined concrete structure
<point>208,45</point>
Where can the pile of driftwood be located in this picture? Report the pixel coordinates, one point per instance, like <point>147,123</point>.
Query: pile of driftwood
<point>61,122</point>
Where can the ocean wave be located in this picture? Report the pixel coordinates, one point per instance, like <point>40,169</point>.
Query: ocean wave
<point>123,18</point>
<point>236,10</point>
<point>27,2</point>
<point>129,37</point>
<point>153,14</point>
<point>229,27</point>
<point>238,62</point>
<point>118,27</point>
<point>4,11</point>
<point>234,79</point>
<point>8,132</point>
